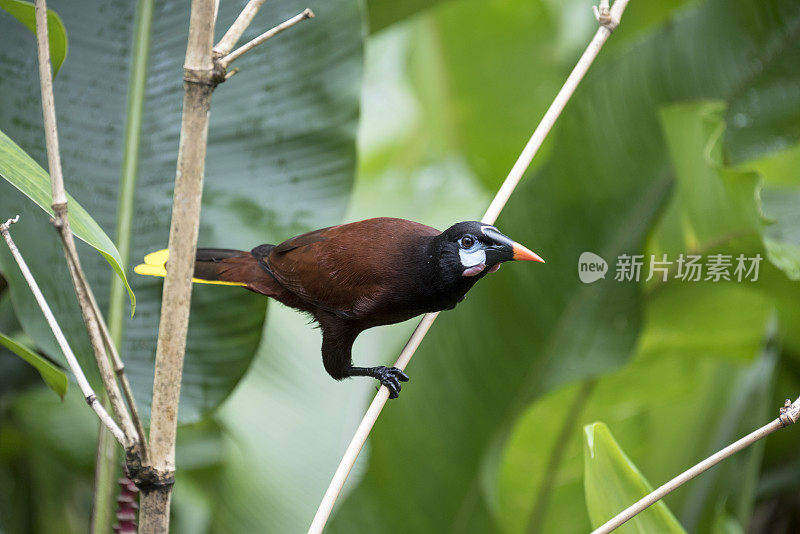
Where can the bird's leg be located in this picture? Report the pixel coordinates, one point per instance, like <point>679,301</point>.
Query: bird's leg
<point>387,376</point>
<point>338,336</point>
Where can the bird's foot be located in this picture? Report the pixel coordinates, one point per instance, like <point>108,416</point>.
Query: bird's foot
<point>391,378</point>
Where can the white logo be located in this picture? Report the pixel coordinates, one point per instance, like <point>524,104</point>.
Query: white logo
<point>591,267</point>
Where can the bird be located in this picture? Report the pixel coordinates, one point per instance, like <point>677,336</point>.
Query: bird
<point>360,275</point>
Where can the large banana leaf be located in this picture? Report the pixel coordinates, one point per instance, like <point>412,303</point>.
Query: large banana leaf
<point>527,330</point>
<point>281,158</point>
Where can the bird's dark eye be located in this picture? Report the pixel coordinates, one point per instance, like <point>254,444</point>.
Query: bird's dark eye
<point>467,241</point>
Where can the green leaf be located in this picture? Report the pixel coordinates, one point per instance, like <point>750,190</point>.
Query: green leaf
<point>281,160</point>
<point>779,198</point>
<point>777,168</point>
<point>52,375</point>
<point>15,374</point>
<point>613,483</point>
<point>21,171</point>
<point>771,123</point>
<point>56,33</point>
<point>782,234</point>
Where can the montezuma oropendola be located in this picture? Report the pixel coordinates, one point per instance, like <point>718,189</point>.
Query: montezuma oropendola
<point>355,276</point>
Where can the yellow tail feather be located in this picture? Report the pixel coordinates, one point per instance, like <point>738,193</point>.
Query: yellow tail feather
<point>155,265</point>
<point>158,257</point>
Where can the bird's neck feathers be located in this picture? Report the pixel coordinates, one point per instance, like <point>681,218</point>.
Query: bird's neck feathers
<point>448,269</point>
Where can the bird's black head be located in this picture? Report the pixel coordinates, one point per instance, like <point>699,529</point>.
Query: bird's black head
<point>473,248</point>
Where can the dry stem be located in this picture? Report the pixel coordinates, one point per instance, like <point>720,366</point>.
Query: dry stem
<point>300,17</point>
<point>203,70</point>
<point>238,27</point>
<point>199,82</point>
<point>607,26</point>
<point>119,370</point>
<point>789,415</point>
<point>86,389</point>
<point>61,221</point>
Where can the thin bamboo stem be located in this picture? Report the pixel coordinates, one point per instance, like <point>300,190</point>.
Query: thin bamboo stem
<point>119,369</point>
<point>203,70</point>
<point>300,17</point>
<point>238,28</point>
<point>80,378</point>
<point>61,222</point>
<point>199,84</point>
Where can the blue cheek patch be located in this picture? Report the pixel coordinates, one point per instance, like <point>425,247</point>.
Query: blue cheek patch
<point>472,258</point>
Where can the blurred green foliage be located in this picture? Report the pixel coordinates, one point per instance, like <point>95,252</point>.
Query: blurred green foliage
<point>682,139</point>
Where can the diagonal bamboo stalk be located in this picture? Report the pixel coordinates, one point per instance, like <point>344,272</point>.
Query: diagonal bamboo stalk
<point>608,20</point>
<point>238,27</point>
<point>233,56</point>
<point>132,442</point>
<point>86,389</point>
<point>119,370</point>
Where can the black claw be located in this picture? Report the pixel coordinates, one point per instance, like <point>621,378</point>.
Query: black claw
<point>391,378</point>
<point>393,391</point>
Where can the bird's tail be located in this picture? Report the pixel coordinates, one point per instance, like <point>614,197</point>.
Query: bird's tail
<point>212,266</point>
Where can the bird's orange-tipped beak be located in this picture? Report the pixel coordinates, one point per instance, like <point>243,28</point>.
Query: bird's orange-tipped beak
<point>525,254</point>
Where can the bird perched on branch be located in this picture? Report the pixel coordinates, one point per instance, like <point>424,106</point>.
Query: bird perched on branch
<point>355,276</point>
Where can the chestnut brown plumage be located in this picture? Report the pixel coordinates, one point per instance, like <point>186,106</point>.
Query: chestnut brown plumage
<point>359,275</point>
